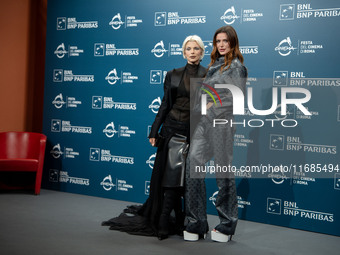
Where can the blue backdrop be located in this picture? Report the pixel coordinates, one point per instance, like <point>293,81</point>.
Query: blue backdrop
<point>105,64</point>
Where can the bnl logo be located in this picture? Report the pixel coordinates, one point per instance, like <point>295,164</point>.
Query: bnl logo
<point>97,102</point>
<point>55,125</point>
<point>337,181</point>
<point>94,154</point>
<point>160,18</point>
<point>53,175</point>
<point>99,49</point>
<point>147,188</point>
<point>280,78</point>
<point>287,11</point>
<point>61,23</point>
<point>274,205</point>
<point>276,142</point>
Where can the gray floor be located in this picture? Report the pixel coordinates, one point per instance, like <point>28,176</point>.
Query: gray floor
<point>64,223</point>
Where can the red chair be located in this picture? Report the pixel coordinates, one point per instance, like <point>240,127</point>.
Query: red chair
<point>23,152</point>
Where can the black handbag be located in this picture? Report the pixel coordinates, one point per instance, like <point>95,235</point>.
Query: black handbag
<point>174,174</point>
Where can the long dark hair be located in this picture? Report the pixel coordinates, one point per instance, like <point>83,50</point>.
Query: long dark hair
<point>233,44</point>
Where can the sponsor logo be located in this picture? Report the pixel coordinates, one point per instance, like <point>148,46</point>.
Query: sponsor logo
<point>65,126</point>
<point>60,75</point>
<point>173,18</point>
<point>123,131</point>
<point>109,49</point>
<point>125,77</point>
<point>104,155</point>
<point>99,102</point>
<point>291,208</point>
<point>292,143</point>
<point>287,11</point>
<point>107,183</point>
<point>274,205</point>
<point>63,177</point>
<point>72,51</point>
<point>157,76</point>
<point>56,152</point>
<point>305,11</point>
<point>242,203</point>
<point>94,154</point>
<point>71,102</point>
<point>285,47</point>
<point>151,160</point>
<point>55,125</point>
<point>147,188</point>
<point>213,198</point>
<point>159,50</point>
<point>116,22</point>
<point>155,104</point>
<point>337,181</point>
<point>280,78</point>
<point>249,50</point>
<point>72,23</point>
<point>130,21</point>
<point>230,16</point>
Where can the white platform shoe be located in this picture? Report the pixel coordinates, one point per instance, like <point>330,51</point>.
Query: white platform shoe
<point>192,237</point>
<point>220,237</point>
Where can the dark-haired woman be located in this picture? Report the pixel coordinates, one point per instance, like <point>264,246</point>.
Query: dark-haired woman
<point>209,141</point>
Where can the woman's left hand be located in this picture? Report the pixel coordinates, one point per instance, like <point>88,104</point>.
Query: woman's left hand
<point>152,141</point>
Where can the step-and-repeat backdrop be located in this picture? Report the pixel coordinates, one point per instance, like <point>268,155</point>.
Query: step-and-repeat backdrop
<point>105,65</point>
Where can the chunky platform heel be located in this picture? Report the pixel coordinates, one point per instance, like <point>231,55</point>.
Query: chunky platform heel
<point>220,237</point>
<point>188,236</point>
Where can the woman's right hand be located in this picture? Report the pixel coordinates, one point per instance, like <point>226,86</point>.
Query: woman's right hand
<point>152,141</point>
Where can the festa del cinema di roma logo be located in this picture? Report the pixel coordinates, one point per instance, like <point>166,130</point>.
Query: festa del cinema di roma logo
<point>239,109</point>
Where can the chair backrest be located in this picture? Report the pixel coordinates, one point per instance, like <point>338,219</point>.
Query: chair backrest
<point>20,145</point>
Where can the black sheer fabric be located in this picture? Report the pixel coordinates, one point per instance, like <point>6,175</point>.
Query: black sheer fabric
<point>144,219</point>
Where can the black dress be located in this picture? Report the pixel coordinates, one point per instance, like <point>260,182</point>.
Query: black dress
<point>174,116</point>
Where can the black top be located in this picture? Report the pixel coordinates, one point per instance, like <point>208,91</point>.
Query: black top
<point>181,107</point>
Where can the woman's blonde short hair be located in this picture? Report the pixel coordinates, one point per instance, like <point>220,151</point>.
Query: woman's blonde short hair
<point>193,38</point>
